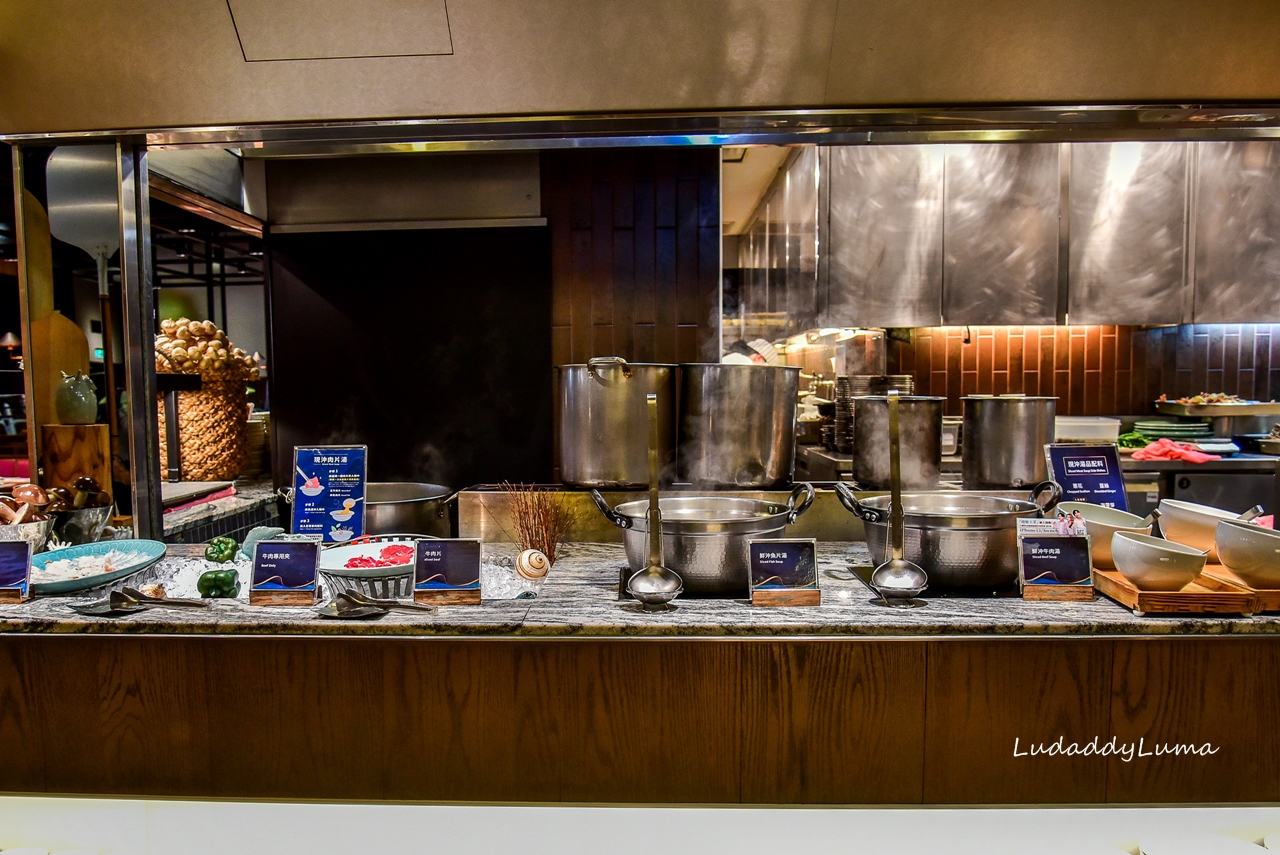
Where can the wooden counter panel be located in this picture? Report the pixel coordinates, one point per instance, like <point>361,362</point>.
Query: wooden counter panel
<point>1221,691</point>
<point>984,694</point>
<point>651,721</point>
<point>760,721</point>
<point>833,723</point>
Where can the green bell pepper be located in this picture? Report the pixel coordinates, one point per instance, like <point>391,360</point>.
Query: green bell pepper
<point>221,550</point>
<point>219,584</point>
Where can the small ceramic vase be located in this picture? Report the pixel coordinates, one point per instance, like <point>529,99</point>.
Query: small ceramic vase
<point>76,400</point>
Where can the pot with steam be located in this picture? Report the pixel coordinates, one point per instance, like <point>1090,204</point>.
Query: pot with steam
<point>704,538</point>
<point>961,540</point>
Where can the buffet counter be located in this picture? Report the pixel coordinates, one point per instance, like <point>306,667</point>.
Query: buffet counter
<point>580,598</point>
<point>576,697</point>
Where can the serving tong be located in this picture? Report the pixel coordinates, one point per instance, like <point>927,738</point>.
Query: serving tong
<point>127,601</point>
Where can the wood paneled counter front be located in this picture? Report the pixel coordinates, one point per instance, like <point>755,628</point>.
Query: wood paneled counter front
<point>539,701</point>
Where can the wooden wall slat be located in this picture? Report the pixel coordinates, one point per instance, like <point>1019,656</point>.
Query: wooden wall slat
<point>631,231</point>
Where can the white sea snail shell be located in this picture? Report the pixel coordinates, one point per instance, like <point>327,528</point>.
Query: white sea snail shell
<point>532,564</point>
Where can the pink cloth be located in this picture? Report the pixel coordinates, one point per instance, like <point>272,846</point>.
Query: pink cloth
<point>1269,521</point>
<point>1167,449</point>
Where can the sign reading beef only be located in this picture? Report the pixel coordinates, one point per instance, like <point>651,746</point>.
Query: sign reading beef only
<point>284,572</point>
<point>1088,473</point>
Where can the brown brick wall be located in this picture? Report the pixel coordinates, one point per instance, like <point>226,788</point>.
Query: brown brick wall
<point>1093,370</point>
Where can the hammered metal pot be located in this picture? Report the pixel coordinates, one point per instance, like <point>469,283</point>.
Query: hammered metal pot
<point>961,541</point>
<point>704,538</point>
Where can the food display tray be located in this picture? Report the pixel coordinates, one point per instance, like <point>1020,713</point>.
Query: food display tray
<point>1266,599</point>
<point>1205,595</point>
<point>1253,408</point>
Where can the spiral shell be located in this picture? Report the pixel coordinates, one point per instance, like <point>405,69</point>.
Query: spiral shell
<point>532,564</point>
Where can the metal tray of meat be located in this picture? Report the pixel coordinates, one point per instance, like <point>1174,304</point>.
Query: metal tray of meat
<point>1248,408</point>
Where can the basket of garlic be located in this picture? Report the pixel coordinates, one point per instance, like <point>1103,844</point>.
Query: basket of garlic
<point>213,422</point>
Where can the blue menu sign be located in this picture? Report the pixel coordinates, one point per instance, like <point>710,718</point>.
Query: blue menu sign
<point>784,572</point>
<point>1055,560</point>
<point>15,570</point>
<point>447,570</point>
<point>1088,473</point>
<point>284,572</point>
<point>329,491</point>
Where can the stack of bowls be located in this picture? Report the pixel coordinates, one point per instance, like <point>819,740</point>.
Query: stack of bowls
<point>1102,524</point>
<point>1251,552</point>
<point>1152,564</point>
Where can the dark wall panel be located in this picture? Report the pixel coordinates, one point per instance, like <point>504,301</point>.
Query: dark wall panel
<point>431,346</point>
<point>635,238</point>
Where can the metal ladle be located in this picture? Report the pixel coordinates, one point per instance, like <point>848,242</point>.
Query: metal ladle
<point>655,586</point>
<point>897,578</point>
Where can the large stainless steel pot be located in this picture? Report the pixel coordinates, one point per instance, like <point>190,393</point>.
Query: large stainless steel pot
<point>407,507</point>
<point>920,429</point>
<point>738,425</point>
<point>1004,440</point>
<point>961,541</point>
<point>704,538</point>
<point>604,425</point>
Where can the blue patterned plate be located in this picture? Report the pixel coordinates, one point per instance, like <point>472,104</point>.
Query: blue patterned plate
<point>150,551</point>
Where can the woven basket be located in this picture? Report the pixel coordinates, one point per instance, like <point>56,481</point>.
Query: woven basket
<point>213,428</point>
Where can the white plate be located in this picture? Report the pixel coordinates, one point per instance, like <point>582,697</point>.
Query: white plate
<point>333,558</point>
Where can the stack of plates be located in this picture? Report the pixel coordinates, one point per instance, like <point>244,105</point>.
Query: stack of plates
<point>844,416</point>
<point>1187,431</point>
<point>879,384</point>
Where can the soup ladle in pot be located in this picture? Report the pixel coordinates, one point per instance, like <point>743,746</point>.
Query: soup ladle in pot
<point>655,586</point>
<point>897,578</point>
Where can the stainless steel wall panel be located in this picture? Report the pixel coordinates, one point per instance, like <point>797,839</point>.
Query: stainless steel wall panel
<point>1001,224</point>
<point>885,236</point>
<point>1237,233</point>
<point>1128,232</point>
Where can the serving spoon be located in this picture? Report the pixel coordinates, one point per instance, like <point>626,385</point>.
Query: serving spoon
<point>655,586</point>
<point>897,578</point>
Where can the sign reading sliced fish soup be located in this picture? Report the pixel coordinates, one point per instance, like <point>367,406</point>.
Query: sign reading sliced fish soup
<point>329,491</point>
<point>784,573</point>
<point>1088,473</point>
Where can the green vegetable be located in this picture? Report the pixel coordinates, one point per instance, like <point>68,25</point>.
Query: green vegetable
<point>221,550</point>
<point>1132,439</point>
<point>215,584</point>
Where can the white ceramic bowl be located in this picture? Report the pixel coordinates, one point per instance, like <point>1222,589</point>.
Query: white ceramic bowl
<point>1152,564</point>
<point>1251,552</point>
<point>1102,523</point>
<point>1192,525</point>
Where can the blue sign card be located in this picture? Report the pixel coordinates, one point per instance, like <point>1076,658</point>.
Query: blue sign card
<point>328,491</point>
<point>15,570</point>
<point>284,572</point>
<point>1088,473</point>
<point>447,570</point>
<point>1055,560</point>
<point>784,572</point>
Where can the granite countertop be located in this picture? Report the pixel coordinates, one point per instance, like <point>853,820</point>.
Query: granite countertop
<point>579,598</point>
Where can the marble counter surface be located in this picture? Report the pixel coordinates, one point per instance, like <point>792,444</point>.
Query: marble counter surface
<point>579,598</point>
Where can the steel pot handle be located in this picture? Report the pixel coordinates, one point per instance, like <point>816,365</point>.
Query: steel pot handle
<point>593,365</point>
<point>795,510</point>
<point>847,498</point>
<point>1055,495</point>
<point>609,513</point>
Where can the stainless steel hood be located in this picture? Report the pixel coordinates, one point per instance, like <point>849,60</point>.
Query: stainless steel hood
<point>680,69</point>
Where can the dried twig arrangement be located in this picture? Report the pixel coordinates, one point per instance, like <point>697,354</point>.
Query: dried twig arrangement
<point>542,518</point>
